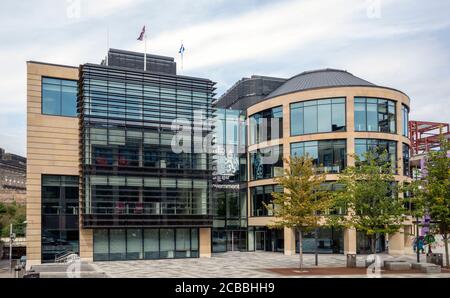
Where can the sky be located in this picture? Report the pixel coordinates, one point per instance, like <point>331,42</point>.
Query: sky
<point>403,44</point>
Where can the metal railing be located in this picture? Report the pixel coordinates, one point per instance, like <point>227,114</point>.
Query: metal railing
<point>65,256</point>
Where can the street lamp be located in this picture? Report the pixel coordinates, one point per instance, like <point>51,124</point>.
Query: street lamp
<point>12,236</point>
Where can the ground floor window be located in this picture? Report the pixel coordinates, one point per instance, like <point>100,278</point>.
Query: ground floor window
<point>59,216</point>
<point>229,240</point>
<point>363,243</point>
<point>329,240</point>
<point>138,244</point>
<point>265,239</point>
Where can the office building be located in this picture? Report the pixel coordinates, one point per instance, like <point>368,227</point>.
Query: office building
<point>127,164</point>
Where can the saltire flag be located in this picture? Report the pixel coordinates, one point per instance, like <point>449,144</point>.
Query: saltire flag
<point>141,36</point>
<point>181,51</point>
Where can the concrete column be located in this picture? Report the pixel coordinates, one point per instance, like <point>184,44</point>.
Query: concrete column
<point>397,243</point>
<point>86,245</point>
<point>349,241</point>
<point>205,242</point>
<point>409,239</point>
<point>289,241</point>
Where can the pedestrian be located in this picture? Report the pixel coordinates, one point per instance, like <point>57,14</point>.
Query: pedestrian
<point>420,246</point>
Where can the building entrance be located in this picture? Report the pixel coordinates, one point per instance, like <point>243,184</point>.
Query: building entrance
<point>236,241</point>
<point>260,240</point>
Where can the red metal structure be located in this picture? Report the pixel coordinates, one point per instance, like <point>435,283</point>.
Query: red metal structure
<point>424,135</point>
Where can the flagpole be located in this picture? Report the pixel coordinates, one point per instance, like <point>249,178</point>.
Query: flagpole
<point>182,56</point>
<point>145,51</point>
<point>107,45</point>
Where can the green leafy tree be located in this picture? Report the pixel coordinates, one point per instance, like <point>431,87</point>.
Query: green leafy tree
<point>303,202</point>
<point>437,190</point>
<point>370,197</point>
<point>15,214</point>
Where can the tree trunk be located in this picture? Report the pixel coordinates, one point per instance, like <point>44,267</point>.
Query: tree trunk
<point>446,249</point>
<point>316,250</point>
<point>300,248</point>
<point>373,245</point>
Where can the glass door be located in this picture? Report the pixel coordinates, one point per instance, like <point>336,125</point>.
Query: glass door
<point>260,240</point>
<point>235,241</point>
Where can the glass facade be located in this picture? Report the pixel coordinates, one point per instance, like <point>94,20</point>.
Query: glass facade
<point>137,166</point>
<point>60,228</point>
<point>59,97</point>
<point>363,243</point>
<point>266,239</point>
<point>266,163</point>
<point>261,195</point>
<point>328,156</point>
<point>329,241</point>
<point>138,244</point>
<point>317,116</point>
<point>406,169</point>
<point>374,114</point>
<point>266,125</point>
<point>377,147</point>
<point>405,121</point>
<point>229,231</point>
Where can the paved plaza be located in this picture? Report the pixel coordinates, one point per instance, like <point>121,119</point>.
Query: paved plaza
<point>233,265</point>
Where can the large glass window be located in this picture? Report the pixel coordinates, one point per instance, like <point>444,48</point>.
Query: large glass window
<point>317,116</point>
<point>261,195</point>
<point>328,156</point>
<point>405,121</point>
<point>266,163</point>
<point>138,244</point>
<point>117,245</point>
<point>406,169</point>
<point>59,97</point>
<point>374,114</point>
<point>101,245</point>
<point>329,240</point>
<point>59,216</point>
<point>266,125</point>
<point>377,147</point>
<point>151,243</point>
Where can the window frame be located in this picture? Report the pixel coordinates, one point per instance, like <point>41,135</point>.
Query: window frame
<point>331,104</point>
<point>378,130</point>
<point>60,114</point>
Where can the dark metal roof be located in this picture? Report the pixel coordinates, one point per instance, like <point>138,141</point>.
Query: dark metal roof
<point>321,78</point>
<point>248,91</point>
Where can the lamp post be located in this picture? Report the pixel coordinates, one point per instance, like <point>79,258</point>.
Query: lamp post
<point>417,239</point>
<point>316,252</point>
<point>11,239</point>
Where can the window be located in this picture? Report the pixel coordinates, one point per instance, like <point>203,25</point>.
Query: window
<point>59,216</point>
<point>59,97</point>
<point>266,125</point>
<point>405,121</point>
<point>406,170</point>
<point>373,114</point>
<point>266,163</point>
<point>328,156</point>
<point>138,244</point>
<point>261,195</point>
<point>377,147</point>
<point>318,116</point>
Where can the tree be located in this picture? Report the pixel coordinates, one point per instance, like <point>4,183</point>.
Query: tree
<point>303,201</point>
<point>437,190</point>
<point>371,198</point>
<point>12,213</point>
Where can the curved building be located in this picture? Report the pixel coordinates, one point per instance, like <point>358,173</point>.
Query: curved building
<point>331,115</point>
